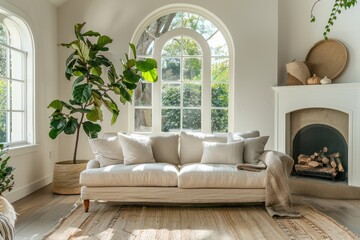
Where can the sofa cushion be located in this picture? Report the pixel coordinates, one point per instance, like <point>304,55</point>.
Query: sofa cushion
<point>219,176</point>
<point>136,149</point>
<point>137,175</point>
<point>223,153</point>
<point>191,148</point>
<point>165,148</point>
<point>107,151</point>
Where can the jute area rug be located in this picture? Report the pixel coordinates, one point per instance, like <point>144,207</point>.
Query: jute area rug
<point>113,221</point>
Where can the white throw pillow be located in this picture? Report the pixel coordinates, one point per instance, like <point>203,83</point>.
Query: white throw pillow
<point>231,137</point>
<point>191,148</point>
<point>253,148</point>
<point>107,151</point>
<point>223,153</point>
<point>165,148</point>
<point>136,150</point>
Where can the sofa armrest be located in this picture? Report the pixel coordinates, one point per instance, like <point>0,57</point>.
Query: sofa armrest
<point>286,160</point>
<point>93,164</point>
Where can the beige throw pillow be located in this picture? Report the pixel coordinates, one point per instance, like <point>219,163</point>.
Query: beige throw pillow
<point>253,148</point>
<point>223,153</point>
<point>136,150</point>
<point>165,148</point>
<point>191,148</point>
<point>107,151</point>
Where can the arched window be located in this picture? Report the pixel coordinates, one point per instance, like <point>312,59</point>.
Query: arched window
<point>192,93</point>
<point>16,110</point>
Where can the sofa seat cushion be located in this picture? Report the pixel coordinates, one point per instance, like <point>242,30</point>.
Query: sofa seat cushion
<point>137,175</point>
<point>219,176</point>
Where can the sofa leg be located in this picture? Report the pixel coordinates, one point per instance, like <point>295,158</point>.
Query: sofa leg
<point>86,204</point>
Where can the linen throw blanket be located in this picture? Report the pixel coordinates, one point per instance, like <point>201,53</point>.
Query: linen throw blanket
<point>277,192</point>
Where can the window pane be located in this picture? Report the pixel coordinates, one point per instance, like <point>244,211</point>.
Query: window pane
<point>218,45</point>
<point>170,120</point>
<point>3,35</point>
<point>143,95</point>
<point>17,126</point>
<point>219,95</point>
<point>219,120</point>
<point>161,25</point>
<point>199,24</point>
<point>171,95</point>
<point>192,95</point>
<point>170,69</point>
<point>17,95</point>
<point>4,52</point>
<point>143,120</point>
<point>192,119</point>
<point>3,94</point>
<point>190,47</point>
<point>192,69</point>
<point>220,70</point>
<point>16,65</point>
<point>176,21</point>
<point>172,48</point>
<point>3,127</point>
<point>145,46</point>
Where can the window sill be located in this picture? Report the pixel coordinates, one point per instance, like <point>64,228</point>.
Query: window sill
<point>24,149</point>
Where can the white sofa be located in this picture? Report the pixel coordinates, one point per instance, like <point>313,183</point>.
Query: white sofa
<point>178,172</point>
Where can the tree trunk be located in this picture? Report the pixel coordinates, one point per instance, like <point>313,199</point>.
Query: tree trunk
<point>77,137</point>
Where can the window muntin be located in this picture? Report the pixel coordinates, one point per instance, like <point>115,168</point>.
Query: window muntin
<point>13,128</point>
<point>192,111</point>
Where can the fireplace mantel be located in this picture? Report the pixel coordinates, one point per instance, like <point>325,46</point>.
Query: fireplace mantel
<point>344,97</point>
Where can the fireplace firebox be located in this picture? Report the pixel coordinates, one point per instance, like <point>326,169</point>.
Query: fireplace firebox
<point>320,150</point>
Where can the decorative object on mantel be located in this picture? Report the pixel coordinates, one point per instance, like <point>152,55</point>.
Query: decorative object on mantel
<point>314,80</point>
<point>325,80</point>
<point>320,164</point>
<point>298,73</point>
<point>327,58</point>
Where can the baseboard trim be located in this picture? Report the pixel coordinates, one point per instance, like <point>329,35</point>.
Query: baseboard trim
<point>23,191</point>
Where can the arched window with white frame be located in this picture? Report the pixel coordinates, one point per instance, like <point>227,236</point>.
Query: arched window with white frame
<point>16,83</point>
<point>194,91</point>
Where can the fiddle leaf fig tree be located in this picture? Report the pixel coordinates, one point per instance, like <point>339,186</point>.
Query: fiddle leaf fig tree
<point>95,82</point>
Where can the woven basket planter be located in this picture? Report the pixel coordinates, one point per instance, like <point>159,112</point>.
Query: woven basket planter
<point>66,177</point>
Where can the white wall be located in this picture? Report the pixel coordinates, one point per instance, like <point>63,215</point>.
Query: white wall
<point>252,24</point>
<point>33,166</point>
<point>297,35</point>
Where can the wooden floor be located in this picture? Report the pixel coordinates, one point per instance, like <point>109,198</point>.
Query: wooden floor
<point>41,211</point>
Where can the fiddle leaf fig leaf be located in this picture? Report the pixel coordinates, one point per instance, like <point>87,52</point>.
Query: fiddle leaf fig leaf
<point>71,126</point>
<point>91,34</point>
<point>104,40</point>
<point>133,48</point>
<point>91,129</point>
<point>82,92</point>
<point>56,104</point>
<point>95,115</point>
<point>130,76</point>
<point>150,76</point>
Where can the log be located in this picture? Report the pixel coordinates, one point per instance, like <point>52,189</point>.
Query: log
<point>324,159</point>
<point>315,164</point>
<point>313,157</point>
<point>339,165</point>
<point>333,162</point>
<point>337,155</point>
<point>325,149</point>
<point>304,159</point>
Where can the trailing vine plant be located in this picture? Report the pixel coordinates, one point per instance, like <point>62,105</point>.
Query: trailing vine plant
<point>337,9</point>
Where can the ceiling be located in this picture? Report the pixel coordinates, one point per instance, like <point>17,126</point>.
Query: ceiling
<point>58,2</point>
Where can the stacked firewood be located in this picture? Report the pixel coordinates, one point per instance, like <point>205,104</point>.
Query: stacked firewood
<point>320,161</point>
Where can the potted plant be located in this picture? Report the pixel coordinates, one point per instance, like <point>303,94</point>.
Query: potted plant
<point>6,184</point>
<point>94,83</point>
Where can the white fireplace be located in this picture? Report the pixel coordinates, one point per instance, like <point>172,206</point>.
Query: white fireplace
<point>343,98</point>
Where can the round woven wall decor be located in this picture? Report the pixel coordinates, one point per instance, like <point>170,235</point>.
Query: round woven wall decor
<point>327,58</point>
